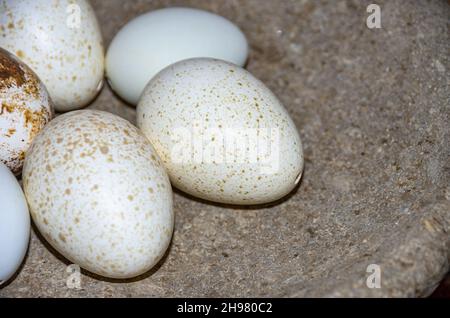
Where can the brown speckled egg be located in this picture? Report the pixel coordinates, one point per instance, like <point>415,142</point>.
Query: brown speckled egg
<point>221,133</point>
<point>99,194</point>
<point>61,41</point>
<point>25,109</point>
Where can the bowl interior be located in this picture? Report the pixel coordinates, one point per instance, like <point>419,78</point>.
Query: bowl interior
<point>372,108</point>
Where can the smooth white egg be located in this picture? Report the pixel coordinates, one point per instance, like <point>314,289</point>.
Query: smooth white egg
<point>14,224</point>
<point>25,108</point>
<point>99,194</point>
<point>61,41</point>
<point>154,40</point>
<point>221,133</point>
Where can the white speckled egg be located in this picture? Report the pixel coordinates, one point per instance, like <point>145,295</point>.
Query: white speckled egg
<point>14,224</point>
<point>221,133</point>
<point>156,39</point>
<point>61,41</point>
<point>25,109</point>
<point>99,194</point>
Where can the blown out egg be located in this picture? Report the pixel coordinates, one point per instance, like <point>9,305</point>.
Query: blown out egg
<point>221,133</point>
<point>61,41</point>
<point>99,194</point>
<point>25,110</point>
<point>14,224</point>
<point>156,39</point>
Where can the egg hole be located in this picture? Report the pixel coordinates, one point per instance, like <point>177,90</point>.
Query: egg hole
<point>297,180</point>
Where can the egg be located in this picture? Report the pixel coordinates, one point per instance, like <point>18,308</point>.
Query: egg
<point>154,40</point>
<point>98,193</point>
<point>14,224</point>
<point>221,133</point>
<point>61,41</point>
<point>25,109</point>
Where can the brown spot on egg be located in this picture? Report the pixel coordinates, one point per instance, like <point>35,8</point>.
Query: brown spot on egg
<point>62,237</point>
<point>35,119</point>
<point>11,74</point>
<point>10,132</point>
<point>20,54</point>
<point>22,155</point>
<point>104,150</point>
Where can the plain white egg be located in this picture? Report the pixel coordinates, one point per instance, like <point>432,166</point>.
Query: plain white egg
<point>99,194</point>
<point>25,108</point>
<point>221,133</point>
<point>14,224</point>
<point>61,41</point>
<point>154,40</point>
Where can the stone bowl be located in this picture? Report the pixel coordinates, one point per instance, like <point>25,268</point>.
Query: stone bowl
<point>371,215</point>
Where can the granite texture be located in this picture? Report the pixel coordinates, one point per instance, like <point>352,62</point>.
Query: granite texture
<point>372,108</point>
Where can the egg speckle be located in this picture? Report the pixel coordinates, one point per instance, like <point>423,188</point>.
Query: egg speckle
<point>99,194</point>
<point>61,41</point>
<point>222,134</point>
<point>25,110</point>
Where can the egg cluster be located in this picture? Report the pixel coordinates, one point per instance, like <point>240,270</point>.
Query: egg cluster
<point>99,188</point>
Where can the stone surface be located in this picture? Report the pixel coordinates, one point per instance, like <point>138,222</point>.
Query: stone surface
<point>372,107</point>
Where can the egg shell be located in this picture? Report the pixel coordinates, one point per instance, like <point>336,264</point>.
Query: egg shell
<point>198,108</point>
<point>99,194</point>
<point>14,224</point>
<point>154,40</point>
<point>61,41</point>
<point>25,109</point>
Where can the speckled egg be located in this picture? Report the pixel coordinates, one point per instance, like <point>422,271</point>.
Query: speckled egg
<point>61,41</point>
<point>99,194</point>
<point>25,109</point>
<point>221,133</point>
